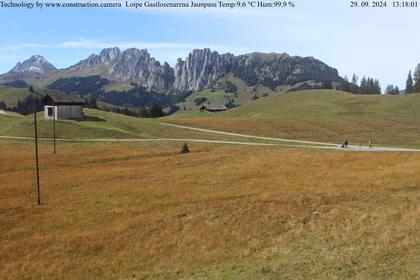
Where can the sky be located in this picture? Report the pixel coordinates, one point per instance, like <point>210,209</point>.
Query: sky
<point>379,42</point>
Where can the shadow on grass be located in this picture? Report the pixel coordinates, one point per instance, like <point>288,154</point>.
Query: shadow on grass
<point>91,119</point>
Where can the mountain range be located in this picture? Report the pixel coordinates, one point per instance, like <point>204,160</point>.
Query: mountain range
<point>201,69</point>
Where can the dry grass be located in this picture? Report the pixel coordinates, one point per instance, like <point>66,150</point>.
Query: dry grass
<point>116,211</point>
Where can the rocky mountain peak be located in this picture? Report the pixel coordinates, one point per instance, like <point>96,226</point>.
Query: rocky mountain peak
<point>135,56</point>
<point>36,64</point>
<point>109,55</point>
<point>202,68</point>
<point>132,65</point>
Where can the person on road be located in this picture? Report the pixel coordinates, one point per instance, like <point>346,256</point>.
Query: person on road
<point>345,144</point>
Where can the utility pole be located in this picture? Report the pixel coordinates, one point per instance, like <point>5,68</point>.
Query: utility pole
<point>38,189</point>
<point>55,149</point>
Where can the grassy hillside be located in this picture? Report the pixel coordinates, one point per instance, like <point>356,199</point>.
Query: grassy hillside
<point>11,96</point>
<point>329,104</point>
<point>317,115</point>
<point>244,95</point>
<point>322,115</point>
<point>99,124</point>
<point>118,86</point>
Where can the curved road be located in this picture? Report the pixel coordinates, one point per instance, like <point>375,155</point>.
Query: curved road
<point>303,144</point>
<point>331,147</point>
<point>307,144</point>
<point>165,140</point>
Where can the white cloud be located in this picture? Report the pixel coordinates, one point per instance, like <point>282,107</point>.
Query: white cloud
<point>93,44</point>
<point>21,46</point>
<point>162,51</point>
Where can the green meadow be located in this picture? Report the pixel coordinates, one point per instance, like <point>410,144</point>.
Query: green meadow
<point>321,115</point>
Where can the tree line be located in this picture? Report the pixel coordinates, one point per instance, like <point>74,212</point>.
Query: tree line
<point>413,81</point>
<point>370,85</point>
<point>155,111</point>
<point>367,85</point>
<point>26,105</point>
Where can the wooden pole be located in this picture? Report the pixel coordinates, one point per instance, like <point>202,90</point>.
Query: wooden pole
<point>38,189</point>
<point>55,149</point>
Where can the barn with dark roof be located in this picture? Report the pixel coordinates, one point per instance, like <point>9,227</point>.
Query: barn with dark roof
<point>213,108</point>
<point>64,107</point>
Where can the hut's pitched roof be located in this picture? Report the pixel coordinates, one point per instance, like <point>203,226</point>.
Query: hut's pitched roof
<point>63,99</point>
<point>215,107</point>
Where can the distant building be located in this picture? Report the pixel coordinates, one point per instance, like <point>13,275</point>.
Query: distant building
<point>213,108</point>
<point>65,107</point>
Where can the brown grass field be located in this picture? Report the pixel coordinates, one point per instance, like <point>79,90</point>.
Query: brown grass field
<point>124,211</point>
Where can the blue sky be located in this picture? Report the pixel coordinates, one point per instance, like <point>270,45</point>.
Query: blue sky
<point>382,43</point>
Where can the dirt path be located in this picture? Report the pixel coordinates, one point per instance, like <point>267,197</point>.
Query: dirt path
<point>248,136</point>
<point>311,144</point>
<point>331,147</point>
<point>164,140</point>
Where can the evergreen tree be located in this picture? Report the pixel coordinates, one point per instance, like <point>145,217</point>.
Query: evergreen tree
<point>345,85</point>
<point>354,84</point>
<point>355,80</point>
<point>90,102</point>
<point>3,106</point>
<point>363,85</point>
<point>397,90</point>
<point>409,83</point>
<point>327,85</point>
<point>390,89</point>
<point>416,78</point>
<point>156,111</point>
<point>25,106</point>
<point>93,103</point>
<point>142,113</point>
<point>377,87</point>
<point>230,87</point>
<point>369,86</point>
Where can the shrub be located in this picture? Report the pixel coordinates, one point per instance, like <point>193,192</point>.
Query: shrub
<point>3,106</point>
<point>327,85</point>
<point>200,100</point>
<point>230,87</point>
<point>156,111</point>
<point>185,149</point>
